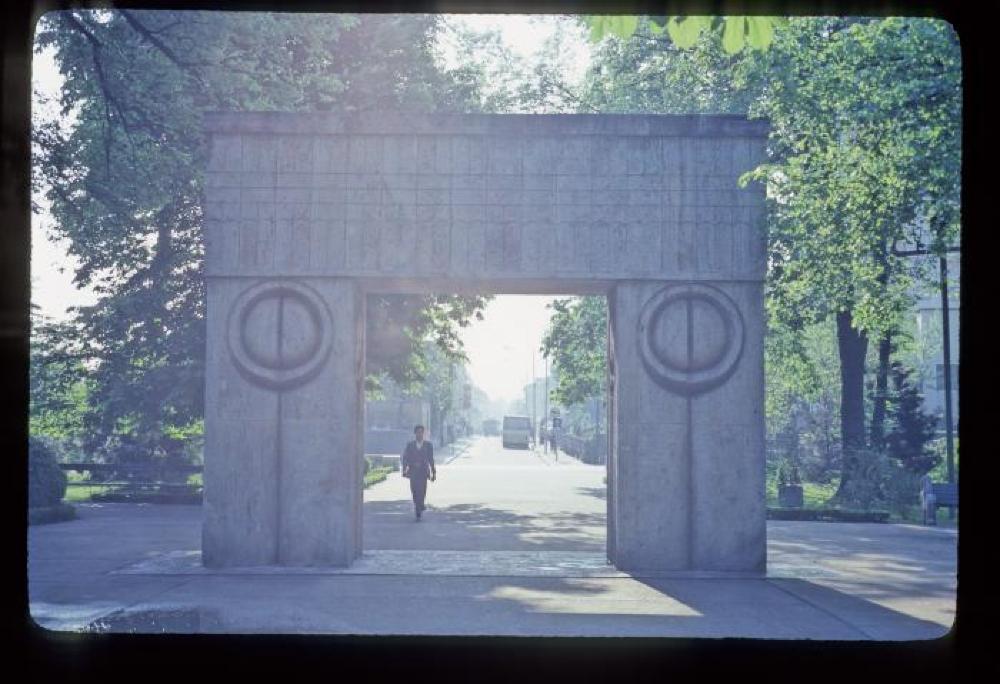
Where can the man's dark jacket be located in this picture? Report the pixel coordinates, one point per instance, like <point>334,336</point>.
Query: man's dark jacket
<point>420,460</point>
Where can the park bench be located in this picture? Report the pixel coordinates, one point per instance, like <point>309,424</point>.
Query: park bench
<point>935,494</point>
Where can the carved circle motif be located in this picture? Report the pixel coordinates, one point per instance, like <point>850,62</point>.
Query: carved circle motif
<point>279,334</point>
<point>690,337</point>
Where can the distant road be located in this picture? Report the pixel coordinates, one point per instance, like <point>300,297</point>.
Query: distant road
<point>490,498</point>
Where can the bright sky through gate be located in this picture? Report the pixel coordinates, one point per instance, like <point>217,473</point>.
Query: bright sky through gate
<point>501,347</point>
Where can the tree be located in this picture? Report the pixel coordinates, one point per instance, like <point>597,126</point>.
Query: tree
<point>58,387</point>
<point>802,400</point>
<point>46,480</point>
<point>398,326</point>
<point>125,182</point>
<point>649,74</point>
<point>864,150</point>
<point>908,440</point>
<point>576,340</point>
<point>734,33</point>
<point>502,81</point>
<point>437,372</point>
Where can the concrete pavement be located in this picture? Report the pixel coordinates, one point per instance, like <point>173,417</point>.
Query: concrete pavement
<point>512,544</point>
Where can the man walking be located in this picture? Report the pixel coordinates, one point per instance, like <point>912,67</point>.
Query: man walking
<point>417,463</point>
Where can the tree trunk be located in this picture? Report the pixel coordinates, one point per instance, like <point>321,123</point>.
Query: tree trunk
<point>877,432</point>
<point>852,346</point>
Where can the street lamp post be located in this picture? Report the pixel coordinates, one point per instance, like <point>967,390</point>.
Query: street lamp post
<point>945,351</point>
<point>534,400</point>
<point>546,400</point>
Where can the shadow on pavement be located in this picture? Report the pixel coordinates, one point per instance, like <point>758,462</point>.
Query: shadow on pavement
<point>756,609</point>
<point>390,525</point>
<point>598,492</point>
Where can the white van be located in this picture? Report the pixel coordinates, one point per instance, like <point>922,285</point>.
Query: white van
<point>516,431</point>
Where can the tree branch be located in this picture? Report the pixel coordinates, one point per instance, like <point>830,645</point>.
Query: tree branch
<point>102,80</point>
<point>163,47</point>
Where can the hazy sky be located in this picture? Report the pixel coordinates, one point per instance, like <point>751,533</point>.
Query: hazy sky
<point>500,348</point>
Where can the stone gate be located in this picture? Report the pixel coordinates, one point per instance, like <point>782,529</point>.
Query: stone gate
<point>305,214</point>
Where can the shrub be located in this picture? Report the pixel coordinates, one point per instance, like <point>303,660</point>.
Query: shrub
<point>867,489</point>
<point>376,475</point>
<point>902,489</point>
<point>51,514</point>
<point>909,441</point>
<point>827,515</point>
<point>46,480</point>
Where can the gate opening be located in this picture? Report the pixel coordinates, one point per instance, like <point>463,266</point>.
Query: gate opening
<point>518,424</point>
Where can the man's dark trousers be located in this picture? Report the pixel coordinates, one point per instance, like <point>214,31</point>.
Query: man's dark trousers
<point>418,487</point>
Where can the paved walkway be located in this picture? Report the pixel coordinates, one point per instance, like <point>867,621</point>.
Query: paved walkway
<point>512,544</point>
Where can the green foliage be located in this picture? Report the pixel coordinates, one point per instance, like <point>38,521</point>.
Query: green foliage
<point>814,494</point>
<point>939,473</point>
<point>649,74</point>
<point>880,483</point>
<point>864,154</point>
<point>736,32</point>
<point>801,371</point>
<point>500,80</point>
<point>576,340</point>
<point>438,375</point>
<point>46,480</point>
<point>619,25</point>
<point>802,399</point>
<point>862,157</point>
<point>865,147</point>
<point>398,327</point>
<point>125,182</point>
<point>908,442</point>
<point>58,388</point>
<point>80,493</point>
<point>376,475</point>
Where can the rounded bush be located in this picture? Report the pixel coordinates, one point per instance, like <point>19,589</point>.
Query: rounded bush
<point>46,480</point>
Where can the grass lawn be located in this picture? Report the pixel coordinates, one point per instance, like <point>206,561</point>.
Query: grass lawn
<point>814,494</point>
<point>79,489</point>
<point>78,492</point>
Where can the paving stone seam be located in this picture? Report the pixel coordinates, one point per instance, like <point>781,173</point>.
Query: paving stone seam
<point>822,609</point>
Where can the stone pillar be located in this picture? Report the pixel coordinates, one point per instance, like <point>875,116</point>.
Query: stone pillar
<point>686,478</point>
<point>283,422</point>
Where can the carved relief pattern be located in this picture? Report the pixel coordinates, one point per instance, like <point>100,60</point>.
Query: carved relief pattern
<point>279,334</point>
<point>690,337</point>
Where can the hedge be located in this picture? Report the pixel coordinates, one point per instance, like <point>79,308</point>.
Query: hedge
<point>827,515</point>
<point>51,514</point>
<point>46,480</point>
